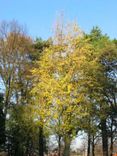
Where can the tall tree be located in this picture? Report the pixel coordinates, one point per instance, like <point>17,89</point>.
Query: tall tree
<point>57,85</point>
<point>99,79</point>
<point>15,46</point>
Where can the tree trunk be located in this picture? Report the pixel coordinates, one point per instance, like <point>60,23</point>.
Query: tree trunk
<point>41,141</point>
<point>67,141</point>
<point>2,129</point>
<point>104,138</point>
<point>18,150</point>
<point>111,146</point>
<point>29,147</point>
<point>89,143</point>
<point>111,143</point>
<point>59,145</point>
<point>93,147</point>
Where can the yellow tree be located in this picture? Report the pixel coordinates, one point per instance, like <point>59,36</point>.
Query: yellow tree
<point>58,90</point>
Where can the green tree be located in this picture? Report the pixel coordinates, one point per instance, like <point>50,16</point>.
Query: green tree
<point>100,76</point>
<point>22,130</point>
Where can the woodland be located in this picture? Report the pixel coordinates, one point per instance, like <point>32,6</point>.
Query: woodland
<point>57,88</point>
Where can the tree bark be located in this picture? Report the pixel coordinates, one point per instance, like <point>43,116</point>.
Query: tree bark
<point>59,145</point>
<point>89,144</point>
<point>104,137</point>
<point>93,147</point>
<point>2,128</point>
<point>111,141</point>
<point>67,141</point>
<point>41,141</point>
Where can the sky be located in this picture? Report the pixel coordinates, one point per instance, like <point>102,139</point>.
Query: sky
<point>39,15</point>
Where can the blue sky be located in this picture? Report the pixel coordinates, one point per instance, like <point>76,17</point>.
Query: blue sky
<point>39,15</point>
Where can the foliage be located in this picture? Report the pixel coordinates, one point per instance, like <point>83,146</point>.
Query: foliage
<point>58,86</point>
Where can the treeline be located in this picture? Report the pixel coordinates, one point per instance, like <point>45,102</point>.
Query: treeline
<point>57,87</point>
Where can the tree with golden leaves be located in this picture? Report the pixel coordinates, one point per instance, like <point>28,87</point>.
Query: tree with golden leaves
<point>59,95</point>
